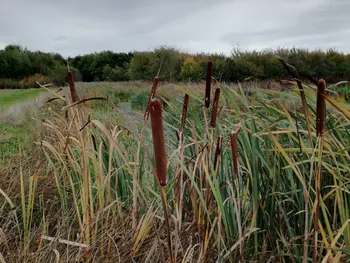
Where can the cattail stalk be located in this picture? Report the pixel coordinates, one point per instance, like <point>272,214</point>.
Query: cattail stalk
<point>217,151</point>
<point>321,108</point>
<point>208,84</point>
<point>73,91</point>
<point>320,130</point>
<point>151,96</point>
<point>184,111</point>
<point>215,108</point>
<point>291,70</point>
<point>158,140</point>
<point>233,137</point>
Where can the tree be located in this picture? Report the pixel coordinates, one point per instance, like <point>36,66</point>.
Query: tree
<point>143,66</point>
<point>191,70</point>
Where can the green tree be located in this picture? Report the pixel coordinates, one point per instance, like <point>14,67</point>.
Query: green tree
<point>191,70</point>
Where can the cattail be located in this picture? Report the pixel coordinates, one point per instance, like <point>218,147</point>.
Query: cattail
<point>214,112</point>
<point>94,142</point>
<point>321,108</point>
<point>73,91</point>
<point>208,84</point>
<point>233,137</point>
<point>184,111</point>
<point>158,140</point>
<point>217,151</point>
<point>151,96</point>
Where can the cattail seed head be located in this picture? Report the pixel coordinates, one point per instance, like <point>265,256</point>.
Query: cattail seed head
<point>158,140</point>
<point>217,151</point>
<point>215,108</point>
<point>233,138</point>
<point>151,96</point>
<point>94,142</point>
<point>184,111</point>
<point>208,84</point>
<point>73,91</point>
<point>321,108</point>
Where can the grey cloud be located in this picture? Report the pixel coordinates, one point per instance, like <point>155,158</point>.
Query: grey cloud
<point>323,26</point>
<point>78,27</point>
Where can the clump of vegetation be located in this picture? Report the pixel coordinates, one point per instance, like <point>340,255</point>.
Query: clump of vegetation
<point>139,100</point>
<point>246,179</point>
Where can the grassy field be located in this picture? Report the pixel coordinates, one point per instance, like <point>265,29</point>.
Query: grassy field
<point>10,97</point>
<point>15,126</point>
<point>247,181</point>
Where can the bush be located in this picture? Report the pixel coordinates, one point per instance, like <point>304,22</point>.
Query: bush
<point>115,74</point>
<point>125,96</point>
<point>191,70</point>
<point>140,100</point>
<point>30,82</point>
<point>10,84</point>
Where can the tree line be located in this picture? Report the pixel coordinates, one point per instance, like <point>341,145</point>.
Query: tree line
<point>21,68</point>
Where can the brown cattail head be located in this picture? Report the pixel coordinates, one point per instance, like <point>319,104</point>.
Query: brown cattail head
<point>208,84</point>
<point>233,137</point>
<point>158,140</point>
<point>214,112</point>
<point>321,108</point>
<point>94,142</point>
<point>184,111</point>
<point>73,91</point>
<point>151,96</point>
<point>217,151</point>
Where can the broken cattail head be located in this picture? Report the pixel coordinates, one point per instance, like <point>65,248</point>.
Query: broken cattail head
<point>73,91</point>
<point>208,84</point>
<point>215,108</point>
<point>158,141</point>
<point>321,108</point>
<point>151,96</point>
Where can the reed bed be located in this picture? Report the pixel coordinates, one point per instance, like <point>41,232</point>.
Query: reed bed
<point>258,182</point>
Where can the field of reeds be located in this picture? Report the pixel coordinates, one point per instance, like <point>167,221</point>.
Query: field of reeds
<point>195,173</point>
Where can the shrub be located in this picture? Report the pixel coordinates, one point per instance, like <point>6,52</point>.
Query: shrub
<point>140,100</point>
<point>10,84</point>
<point>115,74</point>
<point>30,82</point>
<point>191,70</point>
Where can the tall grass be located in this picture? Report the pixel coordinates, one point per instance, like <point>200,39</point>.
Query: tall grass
<point>229,197</point>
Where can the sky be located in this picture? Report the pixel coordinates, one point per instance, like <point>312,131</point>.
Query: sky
<point>84,26</point>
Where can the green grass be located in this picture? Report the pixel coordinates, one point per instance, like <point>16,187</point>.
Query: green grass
<point>11,136</point>
<point>14,96</point>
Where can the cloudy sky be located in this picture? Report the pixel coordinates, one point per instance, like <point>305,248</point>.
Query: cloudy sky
<point>83,26</point>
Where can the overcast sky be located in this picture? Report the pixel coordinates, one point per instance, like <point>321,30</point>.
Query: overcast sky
<point>84,26</point>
